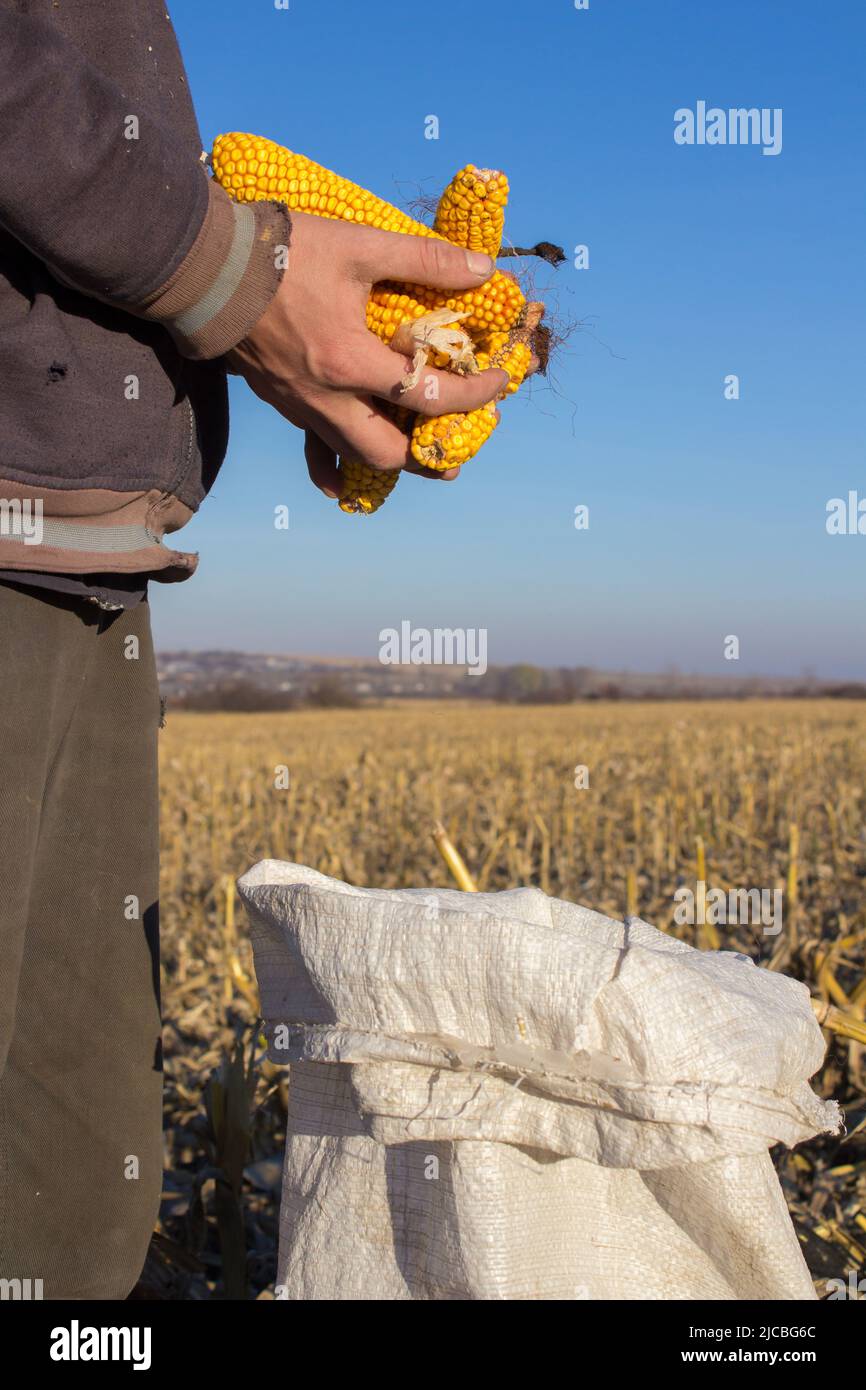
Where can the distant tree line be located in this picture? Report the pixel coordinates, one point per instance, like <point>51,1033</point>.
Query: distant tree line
<point>521,684</point>
<point>246,697</point>
<point>538,685</point>
<point>524,684</point>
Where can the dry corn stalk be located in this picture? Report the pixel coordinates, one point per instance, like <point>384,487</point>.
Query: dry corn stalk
<point>491,326</point>
<point>453,859</point>
<point>833,1019</point>
<point>235,976</point>
<point>630,893</point>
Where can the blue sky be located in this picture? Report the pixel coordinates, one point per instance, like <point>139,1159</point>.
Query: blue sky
<point>707,516</point>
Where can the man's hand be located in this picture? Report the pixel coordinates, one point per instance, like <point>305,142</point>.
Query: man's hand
<point>312,357</point>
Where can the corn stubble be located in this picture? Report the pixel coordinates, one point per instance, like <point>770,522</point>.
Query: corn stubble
<point>758,794</point>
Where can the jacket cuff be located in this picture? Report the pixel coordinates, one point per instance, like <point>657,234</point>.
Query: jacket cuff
<point>228,278</point>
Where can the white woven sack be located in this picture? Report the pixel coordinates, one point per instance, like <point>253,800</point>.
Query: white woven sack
<point>506,1096</point>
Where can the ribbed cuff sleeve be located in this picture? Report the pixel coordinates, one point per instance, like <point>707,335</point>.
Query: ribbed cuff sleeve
<point>228,278</point>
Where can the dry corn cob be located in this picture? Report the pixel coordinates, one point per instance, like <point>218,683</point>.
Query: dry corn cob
<point>364,489</point>
<point>250,168</point>
<point>471,211</point>
<point>448,441</point>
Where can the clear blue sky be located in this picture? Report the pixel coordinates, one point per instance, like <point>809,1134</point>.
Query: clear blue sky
<point>707,516</point>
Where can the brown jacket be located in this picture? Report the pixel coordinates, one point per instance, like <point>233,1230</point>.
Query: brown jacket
<point>125,274</point>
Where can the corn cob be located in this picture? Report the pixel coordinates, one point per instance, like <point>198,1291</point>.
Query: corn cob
<point>251,168</point>
<point>449,441</point>
<point>471,211</point>
<point>364,489</point>
<point>414,319</point>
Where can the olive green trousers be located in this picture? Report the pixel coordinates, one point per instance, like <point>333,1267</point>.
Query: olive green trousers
<point>80,1058</point>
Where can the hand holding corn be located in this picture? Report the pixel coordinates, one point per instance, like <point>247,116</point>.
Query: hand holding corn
<point>368,310</point>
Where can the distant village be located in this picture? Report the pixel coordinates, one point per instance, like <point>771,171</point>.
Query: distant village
<point>226,680</point>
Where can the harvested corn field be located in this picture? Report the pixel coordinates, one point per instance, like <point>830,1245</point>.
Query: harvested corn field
<point>618,807</point>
